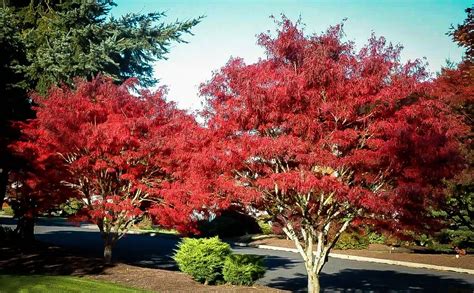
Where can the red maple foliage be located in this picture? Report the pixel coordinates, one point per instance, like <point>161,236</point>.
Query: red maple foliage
<point>35,188</point>
<point>320,136</point>
<point>112,150</point>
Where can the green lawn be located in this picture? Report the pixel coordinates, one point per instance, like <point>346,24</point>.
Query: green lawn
<point>57,284</point>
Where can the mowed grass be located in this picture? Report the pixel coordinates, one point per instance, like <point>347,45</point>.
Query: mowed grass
<point>56,284</point>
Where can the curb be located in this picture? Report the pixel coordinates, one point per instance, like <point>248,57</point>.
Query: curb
<point>368,259</point>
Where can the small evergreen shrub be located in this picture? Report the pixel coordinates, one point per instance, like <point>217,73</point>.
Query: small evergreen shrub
<point>71,207</point>
<point>242,269</point>
<point>352,240</point>
<point>266,227</point>
<point>376,238</point>
<point>202,259</point>
<point>7,210</point>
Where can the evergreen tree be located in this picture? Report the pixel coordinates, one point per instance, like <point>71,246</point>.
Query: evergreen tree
<point>14,102</point>
<point>75,38</point>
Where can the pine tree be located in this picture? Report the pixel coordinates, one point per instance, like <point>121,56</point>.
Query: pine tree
<point>75,38</point>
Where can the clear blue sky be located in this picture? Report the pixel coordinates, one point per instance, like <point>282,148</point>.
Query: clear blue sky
<point>230,27</point>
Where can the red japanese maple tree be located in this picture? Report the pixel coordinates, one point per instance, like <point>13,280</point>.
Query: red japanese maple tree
<point>112,148</point>
<point>35,188</point>
<point>321,136</point>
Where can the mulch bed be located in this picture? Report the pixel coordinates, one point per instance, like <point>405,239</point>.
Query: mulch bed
<point>166,281</point>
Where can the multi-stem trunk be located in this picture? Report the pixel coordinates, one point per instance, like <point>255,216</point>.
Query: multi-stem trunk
<point>314,247</point>
<point>313,282</point>
<point>314,265</point>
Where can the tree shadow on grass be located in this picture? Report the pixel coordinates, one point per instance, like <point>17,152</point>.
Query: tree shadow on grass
<point>43,259</point>
<point>79,252</point>
<point>359,280</point>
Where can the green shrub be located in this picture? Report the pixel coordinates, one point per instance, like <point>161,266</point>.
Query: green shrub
<point>203,258</point>
<point>441,248</point>
<point>424,240</point>
<point>265,227</point>
<point>352,240</point>
<point>375,238</point>
<point>462,237</point>
<point>71,206</point>
<point>242,269</point>
<point>7,210</point>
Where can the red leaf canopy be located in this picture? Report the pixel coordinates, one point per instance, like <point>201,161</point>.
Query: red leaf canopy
<point>110,147</point>
<point>318,128</point>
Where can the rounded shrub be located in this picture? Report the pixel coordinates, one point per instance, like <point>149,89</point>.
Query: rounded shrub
<point>243,269</point>
<point>203,258</point>
<point>352,240</point>
<point>266,227</point>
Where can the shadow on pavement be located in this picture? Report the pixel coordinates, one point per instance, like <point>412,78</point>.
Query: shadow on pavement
<point>354,280</point>
<point>275,263</point>
<point>140,250</point>
<point>43,259</point>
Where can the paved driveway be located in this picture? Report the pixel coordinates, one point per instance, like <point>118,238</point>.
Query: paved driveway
<point>285,269</point>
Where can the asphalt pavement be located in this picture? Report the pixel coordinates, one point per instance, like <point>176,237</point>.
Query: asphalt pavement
<point>285,270</point>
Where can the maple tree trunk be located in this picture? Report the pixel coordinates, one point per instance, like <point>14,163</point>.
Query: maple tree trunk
<point>108,252</point>
<point>109,243</point>
<point>25,228</point>
<point>313,269</point>
<point>3,185</point>
<point>313,282</point>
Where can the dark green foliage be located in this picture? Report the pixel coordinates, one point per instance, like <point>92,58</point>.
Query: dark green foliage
<point>203,258</point>
<point>71,207</point>
<point>352,240</point>
<point>243,269</point>
<point>457,213</point>
<point>266,227</point>
<point>14,102</point>
<point>460,215</point>
<point>69,39</point>
<point>229,223</point>
<point>375,238</point>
